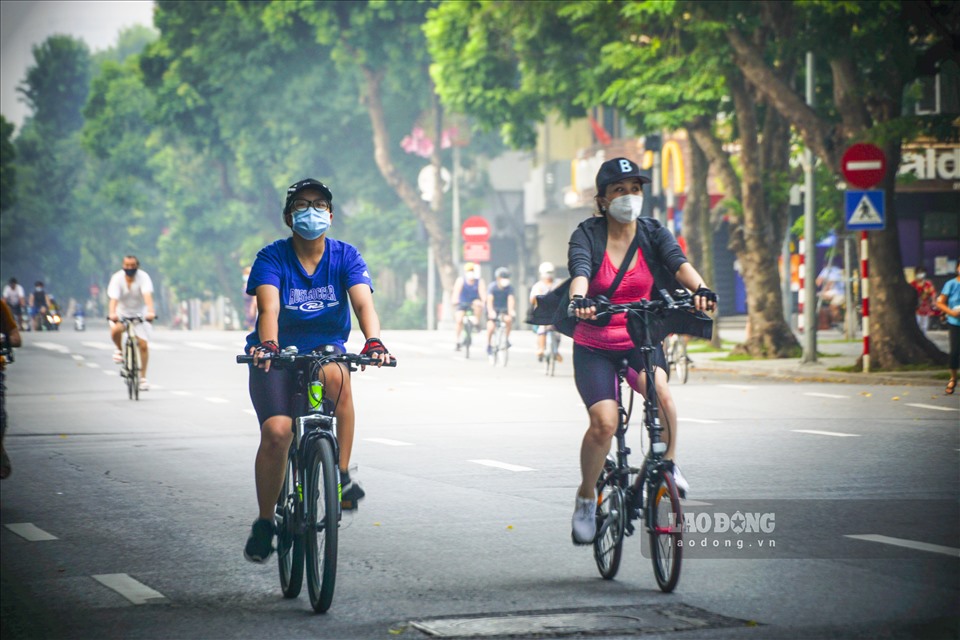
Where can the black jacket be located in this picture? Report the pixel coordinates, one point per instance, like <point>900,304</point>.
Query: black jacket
<point>659,248</point>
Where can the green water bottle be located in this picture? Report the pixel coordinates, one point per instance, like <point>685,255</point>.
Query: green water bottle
<point>315,392</point>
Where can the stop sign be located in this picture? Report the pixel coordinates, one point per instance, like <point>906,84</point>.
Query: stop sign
<point>864,165</point>
<point>475,229</point>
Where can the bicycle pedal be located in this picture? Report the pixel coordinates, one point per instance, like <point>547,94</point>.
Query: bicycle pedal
<point>349,505</point>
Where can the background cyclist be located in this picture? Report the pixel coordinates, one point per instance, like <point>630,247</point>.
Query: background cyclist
<point>131,294</point>
<point>544,285</point>
<point>500,301</point>
<point>469,292</point>
<point>598,247</point>
<point>303,285</point>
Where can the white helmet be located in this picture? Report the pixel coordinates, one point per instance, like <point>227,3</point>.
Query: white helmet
<point>546,269</point>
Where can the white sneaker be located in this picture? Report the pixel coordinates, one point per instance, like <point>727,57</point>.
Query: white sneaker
<point>584,521</point>
<point>144,385</point>
<point>682,485</point>
<point>118,356</point>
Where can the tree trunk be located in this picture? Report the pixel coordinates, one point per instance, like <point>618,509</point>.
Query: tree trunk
<point>895,338</point>
<point>439,240</point>
<point>755,244</point>
<point>700,240</point>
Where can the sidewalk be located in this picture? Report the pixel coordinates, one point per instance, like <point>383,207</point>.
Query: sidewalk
<point>836,351</point>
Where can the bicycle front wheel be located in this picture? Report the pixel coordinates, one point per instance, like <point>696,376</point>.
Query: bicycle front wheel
<point>665,521</point>
<point>289,540</point>
<point>503,346</point>
<point>131,359</point>
<point>323,508</point>
<point>611,521</point>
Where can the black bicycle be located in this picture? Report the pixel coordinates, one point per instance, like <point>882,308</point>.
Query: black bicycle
<point>466,333</point>
<point>552,351</point>
<point>308,509</point>
<point>499,345</point>
<point>624,493</point>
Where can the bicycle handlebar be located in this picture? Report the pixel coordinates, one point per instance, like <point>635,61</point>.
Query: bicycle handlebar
<point>136,318</point>
<point>680,301</point>
<point>288,359</point>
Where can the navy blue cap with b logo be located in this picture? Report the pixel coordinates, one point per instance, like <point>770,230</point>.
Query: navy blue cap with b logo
<point>616,170</point>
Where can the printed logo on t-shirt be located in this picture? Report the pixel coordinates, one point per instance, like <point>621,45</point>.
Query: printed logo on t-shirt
<point>314,299</point>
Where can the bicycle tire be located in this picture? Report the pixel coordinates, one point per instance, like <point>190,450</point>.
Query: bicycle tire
<point>683,364</point>
<point>666,531</point>
<point>322,508</point>
<point>502,346</point>
<point>611,523</point>
<point>467,337</point>
<point>133,370</point>
<point>289,540</point>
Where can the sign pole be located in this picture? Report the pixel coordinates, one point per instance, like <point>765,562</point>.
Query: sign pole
<point>809,223</point>
<point>865,293</point>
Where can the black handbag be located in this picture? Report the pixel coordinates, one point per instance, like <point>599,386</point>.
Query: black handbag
<point>551,308</point>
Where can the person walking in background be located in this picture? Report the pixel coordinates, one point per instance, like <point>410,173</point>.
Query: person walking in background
<point>16,299</point>
<point>949,303</point>
<point>926,299</point>
<point>9,339</point>
<point>543,286</point>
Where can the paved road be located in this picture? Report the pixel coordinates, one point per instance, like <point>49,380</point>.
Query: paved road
<point>470,473</point>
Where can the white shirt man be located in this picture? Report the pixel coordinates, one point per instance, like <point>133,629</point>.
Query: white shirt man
<point>131,294</point>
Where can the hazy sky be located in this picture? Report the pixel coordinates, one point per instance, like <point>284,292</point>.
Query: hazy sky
<point>24,24</point>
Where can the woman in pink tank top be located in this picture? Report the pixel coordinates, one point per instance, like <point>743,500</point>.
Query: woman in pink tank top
<point>598,248</point>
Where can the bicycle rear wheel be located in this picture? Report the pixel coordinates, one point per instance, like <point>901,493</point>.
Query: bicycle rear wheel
<point>502,346</point>
<point>611,521</point>
<point>665,526</point>
<point>289,540</point>
<point>323,508</point>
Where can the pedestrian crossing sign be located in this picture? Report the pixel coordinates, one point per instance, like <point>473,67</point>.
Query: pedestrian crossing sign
<point>865,210</point>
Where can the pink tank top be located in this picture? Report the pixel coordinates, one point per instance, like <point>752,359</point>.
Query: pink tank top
<point>636,284</point>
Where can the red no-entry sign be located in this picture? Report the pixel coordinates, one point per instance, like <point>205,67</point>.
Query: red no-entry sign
<point>475,229</point>
<point>864,165</point>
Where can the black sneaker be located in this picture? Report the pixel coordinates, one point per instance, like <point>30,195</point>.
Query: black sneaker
<point>260,543</point>
<point>350,493</point>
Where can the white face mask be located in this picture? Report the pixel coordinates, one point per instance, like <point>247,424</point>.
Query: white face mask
<point>627,208</point>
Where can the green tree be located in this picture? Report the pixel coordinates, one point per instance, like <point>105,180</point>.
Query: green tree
<point>8,170</point>
<point>513,62</point>
<point>873,52</point>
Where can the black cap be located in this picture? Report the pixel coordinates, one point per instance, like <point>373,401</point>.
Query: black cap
<point>303,185</point>
<point>616,170</point>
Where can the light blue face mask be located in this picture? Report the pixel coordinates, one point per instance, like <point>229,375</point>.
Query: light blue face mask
<point>311,224</point>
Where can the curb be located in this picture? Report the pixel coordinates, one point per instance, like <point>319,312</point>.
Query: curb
<point>785,372</point>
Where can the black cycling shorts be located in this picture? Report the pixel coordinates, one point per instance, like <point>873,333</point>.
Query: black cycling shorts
<point>272,391</point>
<point>595,371</point>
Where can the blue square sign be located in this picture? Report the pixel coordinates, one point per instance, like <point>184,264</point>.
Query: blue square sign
<point>864,210</point>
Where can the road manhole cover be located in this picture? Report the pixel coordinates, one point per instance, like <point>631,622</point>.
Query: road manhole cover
<point>593,621</point>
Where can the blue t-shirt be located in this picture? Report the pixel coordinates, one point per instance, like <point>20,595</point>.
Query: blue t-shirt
<point>314,309</point>
<point>500,296</point>
<point>952,291</point>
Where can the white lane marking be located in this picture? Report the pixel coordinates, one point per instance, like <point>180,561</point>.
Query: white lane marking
<point>178,392</point>
<point>156,387</point>
<point>409,383</point>
<point>524,395</point>
<point>206,346</point>
<point>111,373</point>
<point>30,531</point>
<point>388,441</point>
<point>814,394</point>
<point>250,411</point>
<point>742,387</point>
<point>77,357</point>
<point>931,406</point>
<point>909,544</point>
<point>502,465</point>
<point>134,591</point>
<point>52,346</point>
<point>103,346</point>
<point>160,346</point>
<point>827,433</point>
<point>216,400</point>
<point>698,420</point>
<point>93,365</point>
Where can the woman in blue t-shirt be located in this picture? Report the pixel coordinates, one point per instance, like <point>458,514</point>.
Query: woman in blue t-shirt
<point>303,285</point>
<point>949,303</point>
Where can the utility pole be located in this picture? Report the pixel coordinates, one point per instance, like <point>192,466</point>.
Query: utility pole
<point>810,243</point>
